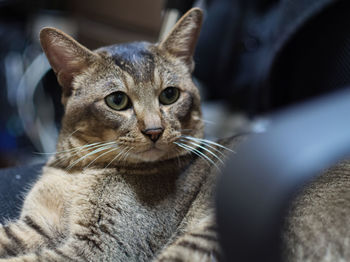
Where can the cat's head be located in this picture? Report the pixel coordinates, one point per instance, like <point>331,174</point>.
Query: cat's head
<point>129,102</point>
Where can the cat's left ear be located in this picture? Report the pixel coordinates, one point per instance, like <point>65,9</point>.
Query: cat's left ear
<point>66,56</point>
<point>182,39</point>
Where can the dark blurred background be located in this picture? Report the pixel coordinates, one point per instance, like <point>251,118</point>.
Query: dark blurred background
<point>253,57</point>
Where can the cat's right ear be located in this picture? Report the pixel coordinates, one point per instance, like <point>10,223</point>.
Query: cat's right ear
<point>66,56</point>
<point>182,39</point>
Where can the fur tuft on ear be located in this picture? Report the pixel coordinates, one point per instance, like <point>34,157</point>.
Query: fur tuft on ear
<point>182,39</point>
<point>66,56</point>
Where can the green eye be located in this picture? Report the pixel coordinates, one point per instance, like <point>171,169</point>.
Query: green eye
<point>169,95</point>
<point>118,101</point>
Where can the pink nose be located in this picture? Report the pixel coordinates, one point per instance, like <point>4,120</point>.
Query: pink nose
<point>153,133</point>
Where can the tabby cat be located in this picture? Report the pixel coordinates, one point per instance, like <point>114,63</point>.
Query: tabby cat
<point>132,178</point>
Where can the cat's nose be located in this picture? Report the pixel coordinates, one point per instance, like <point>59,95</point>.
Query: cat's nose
<point>153,133</point>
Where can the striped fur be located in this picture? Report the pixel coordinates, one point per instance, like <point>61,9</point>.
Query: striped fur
<point>198,243</point>
<point>317,227</point>
<point>101,223</point>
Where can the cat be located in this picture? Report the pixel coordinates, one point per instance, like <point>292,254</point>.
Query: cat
<point>132,178</point>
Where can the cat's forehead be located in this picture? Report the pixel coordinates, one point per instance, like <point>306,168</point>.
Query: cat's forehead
<point>137,59</point>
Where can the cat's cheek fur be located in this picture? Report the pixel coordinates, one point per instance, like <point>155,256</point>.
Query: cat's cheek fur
<point>110,118</point>
<point>184,107</point>
<point>188,113</point>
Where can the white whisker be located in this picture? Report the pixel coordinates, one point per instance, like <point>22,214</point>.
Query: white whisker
<point>94,145</point>
<point>207,145</point>
<point>88,146</point>
<point>120,153</point>
<point>197,152</point>
<point>53,153</point>
<point>206,149</point>
<point>74,151</point>
<point>89,154</point>
<point>206,141</point>
<point>71,134</point>
<point>127,154</point>
<point>78,150</point>
<point>105,153</point>
<point>178,156</point>
<point>208,122</point>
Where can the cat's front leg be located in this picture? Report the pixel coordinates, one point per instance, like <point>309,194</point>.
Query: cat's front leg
<point>8,247</point>
<point>199,244</point>
<point>26,235</point>
<point>20,237</point>
<point>72,250</point>
<point>44,255</point>
<point>42,222</point>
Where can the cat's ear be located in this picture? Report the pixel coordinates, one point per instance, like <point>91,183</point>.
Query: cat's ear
<point>66,56</point>
<point>182,39</point>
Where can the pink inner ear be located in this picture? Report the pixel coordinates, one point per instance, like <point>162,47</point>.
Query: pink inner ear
<point>66,56</point>
<point>63,59</point>
<point>182,40</point>
<point>65,62</point>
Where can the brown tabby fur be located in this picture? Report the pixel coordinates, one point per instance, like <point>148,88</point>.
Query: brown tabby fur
<point>131,199</point>
<point>317,227</point>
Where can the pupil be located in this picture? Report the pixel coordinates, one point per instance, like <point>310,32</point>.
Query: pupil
<point>118,98</point>
<point>169,93</point>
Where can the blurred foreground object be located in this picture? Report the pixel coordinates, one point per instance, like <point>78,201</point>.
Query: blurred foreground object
<point>261,179</point>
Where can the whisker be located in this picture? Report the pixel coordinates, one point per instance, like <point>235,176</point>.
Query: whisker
<point>96,144</point>
<point>123,154</point>
<point>191,151</point>
<point>202,154</point>
<point>105,153</point>
<point>178,150</point>
<point>92,145</point>
<point>209,122</point>
<point>79,150</point>
<point>120,153</point>
<point>207,145</point>
<point>71,134</point>
<point>89,154</point>
<point>75,151</point>
<point>206,149</point>
<point>127,154</point>
<point>102,144</point>
<point>52,153</point>
<point>206,141</point>
<point>187,149</point>
<point>197,152</point>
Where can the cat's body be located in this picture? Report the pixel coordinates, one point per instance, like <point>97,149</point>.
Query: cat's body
<point>111,215</point>
<point>132,179</point>
<point>317,226</point>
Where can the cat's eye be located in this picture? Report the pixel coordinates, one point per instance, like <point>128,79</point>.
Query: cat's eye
<point>118,101</point>
<point>169,95</point>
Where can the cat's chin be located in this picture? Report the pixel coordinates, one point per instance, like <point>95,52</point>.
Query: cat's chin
<point>151,155</point>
